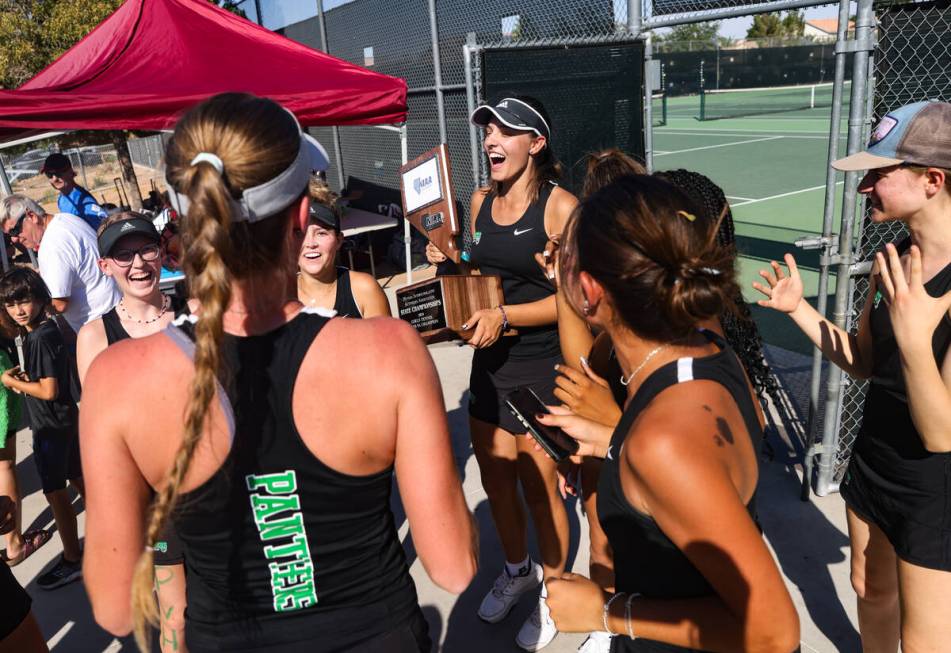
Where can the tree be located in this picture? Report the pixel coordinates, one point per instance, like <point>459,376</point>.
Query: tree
<point>794,24</point>
<point>687,34</point>
<point>34,33</point>
<point>774,25</point>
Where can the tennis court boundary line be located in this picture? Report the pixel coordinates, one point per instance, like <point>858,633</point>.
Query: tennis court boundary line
<point>667,128</point>
<point>710,147</point>
<point>776,197</point>
<point>676,132</point>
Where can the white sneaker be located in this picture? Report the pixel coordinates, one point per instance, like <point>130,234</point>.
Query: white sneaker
<point>598,642</point>
<point>505,592</point>
<point>539,629</point>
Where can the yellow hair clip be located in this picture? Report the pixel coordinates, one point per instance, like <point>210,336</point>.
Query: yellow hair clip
<point>687,216</point>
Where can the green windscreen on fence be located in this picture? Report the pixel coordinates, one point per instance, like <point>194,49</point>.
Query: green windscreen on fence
<point>593,94</point>
<point>739,102</point>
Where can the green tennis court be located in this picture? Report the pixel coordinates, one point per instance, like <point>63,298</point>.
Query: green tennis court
<point>772,168</point>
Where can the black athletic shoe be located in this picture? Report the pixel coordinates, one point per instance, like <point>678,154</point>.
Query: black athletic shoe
<point>63,573</point>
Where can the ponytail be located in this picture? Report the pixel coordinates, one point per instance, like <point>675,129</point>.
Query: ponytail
<point>256,139</point>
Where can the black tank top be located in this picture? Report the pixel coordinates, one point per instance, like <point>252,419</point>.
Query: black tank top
<point>113,326</point>
<point>279,547</point>
<point>646,561</point>
<point>345,303</point>
<point>509,251</point>
<point>887,420</point>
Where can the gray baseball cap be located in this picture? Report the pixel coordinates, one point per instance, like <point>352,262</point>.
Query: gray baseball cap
<point>918,133</point>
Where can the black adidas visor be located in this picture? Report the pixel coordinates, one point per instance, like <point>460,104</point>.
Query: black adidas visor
<point>119,230</point>
<point>514,114</point>
<point>324,215</point>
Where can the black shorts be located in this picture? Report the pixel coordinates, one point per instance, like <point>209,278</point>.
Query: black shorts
<point>16,602</point>
<point>495,374</point>
<point>909,499</point>
<point>56,452</point>
<point>168,548</point>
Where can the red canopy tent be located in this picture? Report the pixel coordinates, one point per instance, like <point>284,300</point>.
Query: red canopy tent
<point>152,59</point>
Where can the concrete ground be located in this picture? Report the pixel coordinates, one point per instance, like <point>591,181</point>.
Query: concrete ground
<point>808,539</point>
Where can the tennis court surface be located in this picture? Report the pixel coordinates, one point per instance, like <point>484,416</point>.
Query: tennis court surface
<point>771,166</point>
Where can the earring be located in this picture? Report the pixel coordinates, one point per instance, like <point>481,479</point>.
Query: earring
<point>586,308</point>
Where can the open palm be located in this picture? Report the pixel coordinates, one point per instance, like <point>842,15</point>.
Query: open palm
<point>784,292</point>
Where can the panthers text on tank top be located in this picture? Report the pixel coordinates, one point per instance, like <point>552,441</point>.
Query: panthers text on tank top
<point>886,415</point>
<point>646,561</point>
<point>509,251</point>
<point>278,546</point>
<point>345,303</point>
<point>113,327</point>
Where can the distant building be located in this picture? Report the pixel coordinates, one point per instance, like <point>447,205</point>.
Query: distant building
<point>825,29</point>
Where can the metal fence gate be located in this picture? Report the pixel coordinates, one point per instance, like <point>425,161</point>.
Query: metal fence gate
<point>912,63</point>
<point>438,47</point>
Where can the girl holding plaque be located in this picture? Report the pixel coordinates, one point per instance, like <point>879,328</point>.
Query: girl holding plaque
<point>512,220</point>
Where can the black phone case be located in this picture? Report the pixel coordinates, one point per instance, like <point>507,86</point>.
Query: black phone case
<point>523,404</point>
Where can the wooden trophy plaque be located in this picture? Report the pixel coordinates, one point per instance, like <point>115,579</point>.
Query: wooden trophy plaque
<point>438,307</point>
<point>428,202</point>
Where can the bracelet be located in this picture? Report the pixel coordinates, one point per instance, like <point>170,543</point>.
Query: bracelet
<point>505,319</point>
<point>627,615</point>
<point>607,611</point>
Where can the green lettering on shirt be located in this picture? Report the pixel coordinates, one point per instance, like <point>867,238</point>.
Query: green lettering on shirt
<point>276,509</point>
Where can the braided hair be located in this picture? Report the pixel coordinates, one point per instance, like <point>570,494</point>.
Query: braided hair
<point>738,325</point>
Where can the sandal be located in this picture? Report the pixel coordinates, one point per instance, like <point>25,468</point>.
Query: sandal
<point>32,541</point>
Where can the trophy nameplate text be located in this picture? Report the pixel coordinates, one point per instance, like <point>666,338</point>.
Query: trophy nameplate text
<point>438,307</point>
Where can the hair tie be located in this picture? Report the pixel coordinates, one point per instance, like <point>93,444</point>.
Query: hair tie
<point>713,272</point>
<point>208,157</point>
<point>690,217</point>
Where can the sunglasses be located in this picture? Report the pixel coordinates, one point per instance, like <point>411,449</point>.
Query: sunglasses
<point>54,173</point>
<point>18,227</point>
<point>125,257</point>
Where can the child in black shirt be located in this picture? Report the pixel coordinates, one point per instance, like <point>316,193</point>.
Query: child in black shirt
<point>47,384</point>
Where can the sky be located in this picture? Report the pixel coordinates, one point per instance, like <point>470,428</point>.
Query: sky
<point>279,13</point>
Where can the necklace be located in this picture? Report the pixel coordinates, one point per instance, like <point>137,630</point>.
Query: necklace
<point>128,315</point>
<point>647,359</point>
<point>307,298</point>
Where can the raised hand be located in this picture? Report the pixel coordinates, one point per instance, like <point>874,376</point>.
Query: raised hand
<point>548,259</point>
<point>914,313</point>
<point>784,293</point>
<point>586,395</point>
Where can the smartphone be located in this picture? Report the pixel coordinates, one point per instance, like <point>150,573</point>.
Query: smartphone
<point>525,404</point>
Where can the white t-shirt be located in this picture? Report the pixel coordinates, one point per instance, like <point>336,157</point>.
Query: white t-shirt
<point>68,264</point>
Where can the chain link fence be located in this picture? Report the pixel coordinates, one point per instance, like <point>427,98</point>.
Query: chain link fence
<point>913,62</point>
<point>426,42</point>
<point>96,166</point>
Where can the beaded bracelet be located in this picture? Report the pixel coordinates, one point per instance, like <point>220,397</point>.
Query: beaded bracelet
<point>505,319</point>
<point>607,611</point>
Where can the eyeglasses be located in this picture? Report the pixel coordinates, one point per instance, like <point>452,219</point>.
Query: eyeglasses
<point>125,257</point>
<point>54,173</point>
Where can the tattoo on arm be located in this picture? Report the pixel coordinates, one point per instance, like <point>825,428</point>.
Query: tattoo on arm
<point>159,580</point>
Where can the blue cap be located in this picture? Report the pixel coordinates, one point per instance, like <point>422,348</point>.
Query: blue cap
<point>918,133</point>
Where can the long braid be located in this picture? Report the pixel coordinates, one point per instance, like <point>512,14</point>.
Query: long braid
<point>216,251</point>
<point>738,325</point>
